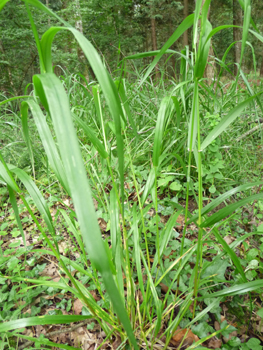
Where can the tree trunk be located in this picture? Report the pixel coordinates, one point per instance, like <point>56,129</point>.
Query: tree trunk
<point>154,42</point>
<point>79,27</point>
<point>185,15</point>
<point>237,32</point>
<point>8,70</point>
<point>261,68</point>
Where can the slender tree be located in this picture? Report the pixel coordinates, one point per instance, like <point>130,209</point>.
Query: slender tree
<point>237,32</point>
<point>185,15</point>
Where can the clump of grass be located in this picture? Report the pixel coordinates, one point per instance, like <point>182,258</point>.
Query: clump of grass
<point>138,320</point>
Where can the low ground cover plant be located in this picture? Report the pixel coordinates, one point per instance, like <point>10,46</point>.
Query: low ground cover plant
<point>124,216</point>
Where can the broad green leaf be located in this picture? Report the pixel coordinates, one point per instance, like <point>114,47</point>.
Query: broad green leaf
<point>225,122</point>
<point>106,84</point>
<point>47,141</point>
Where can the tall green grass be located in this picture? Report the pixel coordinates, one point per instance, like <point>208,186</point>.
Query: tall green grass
<point>114,124</point>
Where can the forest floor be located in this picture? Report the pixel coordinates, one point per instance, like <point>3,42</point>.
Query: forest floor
<point>244,328</point>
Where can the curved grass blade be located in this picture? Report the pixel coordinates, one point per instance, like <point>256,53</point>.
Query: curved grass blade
<point>41,320</point>
<point>106,84</point>
<point>7,176</point>
<point>92,137</point>
<point>235,290</point>
<point>26,135</point>
<point>80,189</point>
<point>120,85</point>
<point>231,253</point>
<point>2,3</point>
<point>147,54</point>
<point>166,109</point>
<point>45,342</point>
<point>13,98</point>
<point>215,202</point>
<point>47,141</point>
<point>203,52</point>
<point>16,212</point>
<point>226,121</point>
<point>37,198</point>
<point>221,214</point>
<point>186,24</point>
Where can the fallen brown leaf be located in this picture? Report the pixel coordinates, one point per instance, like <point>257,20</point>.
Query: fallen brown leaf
<point>178,336</point>
<point>77,307</point>
<point>214,343</point>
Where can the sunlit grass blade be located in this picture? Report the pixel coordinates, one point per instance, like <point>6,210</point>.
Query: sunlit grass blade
<point>51,87</point>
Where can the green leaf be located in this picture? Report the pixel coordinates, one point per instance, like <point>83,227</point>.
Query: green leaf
<point>260,313</point>
<point>175,186</point>
<point>212,189</point>
<point>163,181</point>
